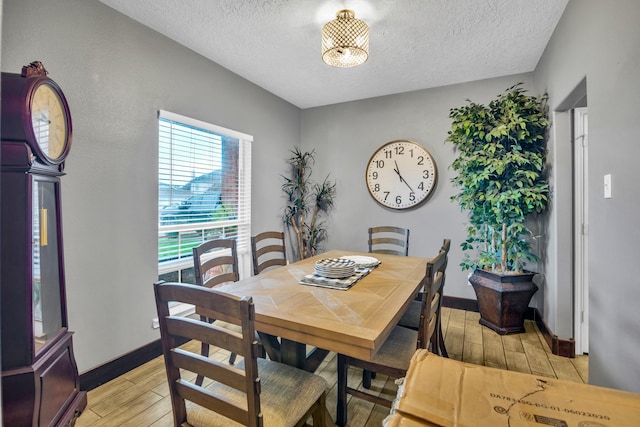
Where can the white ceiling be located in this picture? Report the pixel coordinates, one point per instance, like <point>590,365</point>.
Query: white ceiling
<point>414,44</point>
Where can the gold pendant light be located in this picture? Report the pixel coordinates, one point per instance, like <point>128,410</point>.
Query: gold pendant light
<point>345,40</point>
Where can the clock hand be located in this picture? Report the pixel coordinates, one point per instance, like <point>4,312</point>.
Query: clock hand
<point>43,119</point>
<point>402,179</point>
<point>397,170</point>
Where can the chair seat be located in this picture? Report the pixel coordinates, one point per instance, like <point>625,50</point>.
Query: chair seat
<point>286,395</point>
<point>397,350</point>
<point>411,317</point>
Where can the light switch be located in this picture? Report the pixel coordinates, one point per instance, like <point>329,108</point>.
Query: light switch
<point>607,186</point>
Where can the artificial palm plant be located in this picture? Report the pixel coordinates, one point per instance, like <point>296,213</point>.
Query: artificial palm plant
<point>306,197</point>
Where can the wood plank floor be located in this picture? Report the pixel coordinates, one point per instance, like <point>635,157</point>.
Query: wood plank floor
<point>140,397</point>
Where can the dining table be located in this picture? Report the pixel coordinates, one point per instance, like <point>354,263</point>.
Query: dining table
<point>292,317</point>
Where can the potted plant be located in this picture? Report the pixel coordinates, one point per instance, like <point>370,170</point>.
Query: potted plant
<point>306,197</point>
<point>501,157</point>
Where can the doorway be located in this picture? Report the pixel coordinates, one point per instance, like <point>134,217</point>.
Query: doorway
<point>581,229</point>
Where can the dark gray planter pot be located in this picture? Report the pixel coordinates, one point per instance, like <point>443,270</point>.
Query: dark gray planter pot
<point>503,299</point>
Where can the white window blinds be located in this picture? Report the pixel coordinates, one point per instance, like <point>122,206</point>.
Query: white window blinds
<point>204,188</point>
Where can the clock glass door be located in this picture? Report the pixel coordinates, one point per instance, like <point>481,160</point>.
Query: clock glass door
<point>47,306</point>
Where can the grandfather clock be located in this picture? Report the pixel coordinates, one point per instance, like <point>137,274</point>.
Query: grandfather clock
<point>40,383</point>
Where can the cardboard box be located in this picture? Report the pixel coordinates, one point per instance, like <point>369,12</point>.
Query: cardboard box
<point>444,392</point>
<point>398,420</point>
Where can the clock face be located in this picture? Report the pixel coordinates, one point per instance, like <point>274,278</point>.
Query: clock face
<point>401,174</point>
<point>49,121</point>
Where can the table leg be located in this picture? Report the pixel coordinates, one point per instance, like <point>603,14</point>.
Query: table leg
<point>271,346</point>
<point>341,401</point>
<point>294,353</point>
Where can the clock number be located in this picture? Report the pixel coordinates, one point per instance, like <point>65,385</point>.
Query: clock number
<point>376,188</point>
<point>398,200</point>
<point>421,186</point>
<point>412,196</point>
<point>379,163</point>
<point>400,150</point>
<point>425,174</point>
<point>386,194</point>
<point>420,160</point>
<point>387,154</point>
<point>374,175</point>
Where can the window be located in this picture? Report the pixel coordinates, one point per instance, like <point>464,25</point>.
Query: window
<point>204,191</point>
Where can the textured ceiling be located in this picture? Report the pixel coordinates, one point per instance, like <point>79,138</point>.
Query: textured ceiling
<point>414,44</point>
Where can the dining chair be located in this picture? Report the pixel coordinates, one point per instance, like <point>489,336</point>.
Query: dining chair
<point>394,356</point>
<point>386,240</point>
<point>389,240</point>
<point>215,262</point>
<point>411,317</point>
<point>256,392</point>
<point>268,250</point>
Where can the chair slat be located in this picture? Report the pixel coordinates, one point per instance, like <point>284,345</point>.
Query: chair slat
<point>205,332</point>
<point>209,368</point>
<point>269,248</point>
<point>199,296</point>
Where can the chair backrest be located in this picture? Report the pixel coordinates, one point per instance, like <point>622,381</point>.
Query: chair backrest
<point>389,240</point>
<point>268,250</point>
<point>215,262</point>
<point>437,338</point>
<point>173,330</point>
<point>432,300</point>
<point>446,245</point>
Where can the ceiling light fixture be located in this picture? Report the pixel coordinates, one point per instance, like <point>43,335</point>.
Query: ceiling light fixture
<point>345,40</point>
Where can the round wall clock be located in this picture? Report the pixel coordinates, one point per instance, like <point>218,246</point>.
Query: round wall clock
<point>36,112</point>
<point>401,174</point>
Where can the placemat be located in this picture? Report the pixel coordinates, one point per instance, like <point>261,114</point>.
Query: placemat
<point>340,284</point>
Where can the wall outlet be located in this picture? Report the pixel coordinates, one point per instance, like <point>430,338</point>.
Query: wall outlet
<point>607,186</point>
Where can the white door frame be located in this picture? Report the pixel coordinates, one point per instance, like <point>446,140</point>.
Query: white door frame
<point>581,230</point>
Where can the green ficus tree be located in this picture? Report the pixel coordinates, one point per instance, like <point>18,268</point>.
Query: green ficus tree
<point>501,151</point>
<point>307,201</point>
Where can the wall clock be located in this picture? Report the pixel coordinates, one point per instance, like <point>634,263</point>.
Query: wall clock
<point>401,174</point>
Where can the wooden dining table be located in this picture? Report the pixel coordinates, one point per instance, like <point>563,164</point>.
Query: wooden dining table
<point>292,317</point>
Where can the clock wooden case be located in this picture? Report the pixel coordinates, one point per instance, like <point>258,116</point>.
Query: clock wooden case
<point>40,383</point>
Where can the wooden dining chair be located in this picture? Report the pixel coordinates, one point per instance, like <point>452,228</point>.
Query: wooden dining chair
<point>411,317</point>
<point>268,250</point>
<point>257,392</point>
<point>393,358</point>
<point>215,262</point>
<point>386,240</point>
<point>389,240</point>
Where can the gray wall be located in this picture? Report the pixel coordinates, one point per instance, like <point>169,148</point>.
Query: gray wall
<point>600,41</point>
<point>116,74</point>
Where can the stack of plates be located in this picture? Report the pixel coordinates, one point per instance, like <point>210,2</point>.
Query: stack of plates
<point>335,268</point>
<point>362,261</point>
